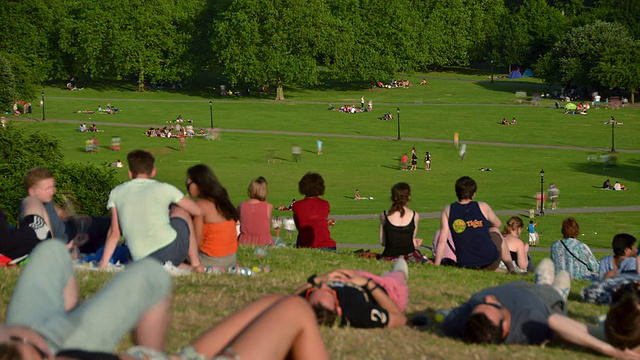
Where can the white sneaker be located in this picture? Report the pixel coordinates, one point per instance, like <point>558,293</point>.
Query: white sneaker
<point>562,284</point>
<point>174,270</point>
<point>545,272</point>
<point>401,265</point>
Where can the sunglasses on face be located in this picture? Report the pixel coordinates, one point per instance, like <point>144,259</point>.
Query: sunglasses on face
<point>326,289</point>
<point>43,355</point>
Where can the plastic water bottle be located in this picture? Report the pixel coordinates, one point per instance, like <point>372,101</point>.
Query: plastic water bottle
<point>216,270</point>
<point>260,252</point>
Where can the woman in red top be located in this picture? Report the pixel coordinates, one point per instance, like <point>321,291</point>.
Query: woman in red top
<point>311,215</point>
<point>255,215</point>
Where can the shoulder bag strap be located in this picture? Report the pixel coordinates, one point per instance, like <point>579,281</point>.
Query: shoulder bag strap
<point>574,255</point>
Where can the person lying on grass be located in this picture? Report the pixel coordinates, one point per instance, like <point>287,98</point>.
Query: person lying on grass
<point>524,313</point>
<point>359,298</point>
<point>54,325</point>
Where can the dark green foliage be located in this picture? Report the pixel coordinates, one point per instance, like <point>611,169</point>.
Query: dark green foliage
<point>7,85</point>
<point>85,187</point>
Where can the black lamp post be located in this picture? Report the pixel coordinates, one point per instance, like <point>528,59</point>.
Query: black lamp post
<point>613,126</point>
<point>42,101</point>
<point>542,192</point>
<point>398,113</point>
<point>492,71</point>
<point>211,112</point>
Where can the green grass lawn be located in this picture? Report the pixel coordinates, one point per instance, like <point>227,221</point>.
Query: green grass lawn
<point>361,152</point>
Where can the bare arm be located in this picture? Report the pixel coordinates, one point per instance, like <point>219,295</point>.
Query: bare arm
<point>383,241</point>
<point>490,215</point>
<point>444,233</point>
<point>189,206</point>
<point>523,261</point>
<point>198,227</point>
<point>113,236</point>
<point>577,333</point>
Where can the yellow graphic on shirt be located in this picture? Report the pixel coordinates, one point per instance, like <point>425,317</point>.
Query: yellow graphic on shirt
<point>459,225</point>
<point>475,224</point>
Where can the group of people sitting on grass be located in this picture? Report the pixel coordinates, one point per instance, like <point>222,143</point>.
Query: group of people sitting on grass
<point>93,128</point>
<point>173,132</point>
<point>513,121</point>
<point>199,230</point>
<point>107,110</point>
<point>617,186</point>
<point>395,83</point>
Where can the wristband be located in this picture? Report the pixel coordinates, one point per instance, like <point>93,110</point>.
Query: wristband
<point>366,285</point>
<point>312,280</point>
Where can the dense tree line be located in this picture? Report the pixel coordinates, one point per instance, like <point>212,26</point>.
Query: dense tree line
<point>278,42</point>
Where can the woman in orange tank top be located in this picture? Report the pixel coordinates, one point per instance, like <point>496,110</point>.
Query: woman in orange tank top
<point>215,229</point>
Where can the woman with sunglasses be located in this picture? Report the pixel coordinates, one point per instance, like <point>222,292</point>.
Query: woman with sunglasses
<point>359,298</point>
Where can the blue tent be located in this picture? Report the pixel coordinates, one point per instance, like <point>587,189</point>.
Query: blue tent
<point>515,74</point>
<point>528,73</point>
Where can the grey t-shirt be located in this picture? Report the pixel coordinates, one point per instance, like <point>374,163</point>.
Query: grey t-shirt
<point>58,227</point>
<point>530,306</point>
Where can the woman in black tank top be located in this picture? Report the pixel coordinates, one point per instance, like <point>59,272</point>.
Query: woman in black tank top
<point>399,226</point>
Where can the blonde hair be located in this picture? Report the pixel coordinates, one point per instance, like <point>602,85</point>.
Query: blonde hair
<point>514,223</point>
<point>258,189</point>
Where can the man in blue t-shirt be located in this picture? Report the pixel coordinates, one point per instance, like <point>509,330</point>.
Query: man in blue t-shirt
<point>474,228</point>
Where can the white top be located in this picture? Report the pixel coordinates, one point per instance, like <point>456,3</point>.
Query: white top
<point>143,213</point>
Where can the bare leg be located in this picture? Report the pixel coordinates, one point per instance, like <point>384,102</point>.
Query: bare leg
<point>153,326</point>
<point>71,294</point>
<point>192,254</point>
<point>216,338</point>
<point>297,332</point>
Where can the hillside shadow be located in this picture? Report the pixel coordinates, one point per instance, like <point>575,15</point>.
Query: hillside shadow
<point>627,172</point>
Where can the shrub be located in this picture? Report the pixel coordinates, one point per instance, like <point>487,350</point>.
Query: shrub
<point>83,187</point>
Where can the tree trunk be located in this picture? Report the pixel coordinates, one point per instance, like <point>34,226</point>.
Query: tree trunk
<point>141,80</point>
<point>279,92</point>
<point>633,96</point>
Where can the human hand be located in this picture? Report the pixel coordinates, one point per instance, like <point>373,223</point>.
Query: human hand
<point>417,242</point>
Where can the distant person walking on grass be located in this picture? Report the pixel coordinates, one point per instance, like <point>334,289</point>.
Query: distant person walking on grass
<point>456,139</point>
<point>463,151</point>
<point>533,234</point>
<point>554,192</point>
<point>427,161</point>
<point>319,146</point>
<point>414,158</point>
<point>404,160</point>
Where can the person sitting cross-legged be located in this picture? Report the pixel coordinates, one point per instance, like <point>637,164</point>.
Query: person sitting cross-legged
<point>359,298</point>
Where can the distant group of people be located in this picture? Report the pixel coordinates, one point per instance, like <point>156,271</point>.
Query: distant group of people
<point>404,161</point>
<point>108,109</point>
<point>617,186</point>
<point>394,84</point>
<point>83,128</point>
<point>21,104</point>
<point>513,121</point>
